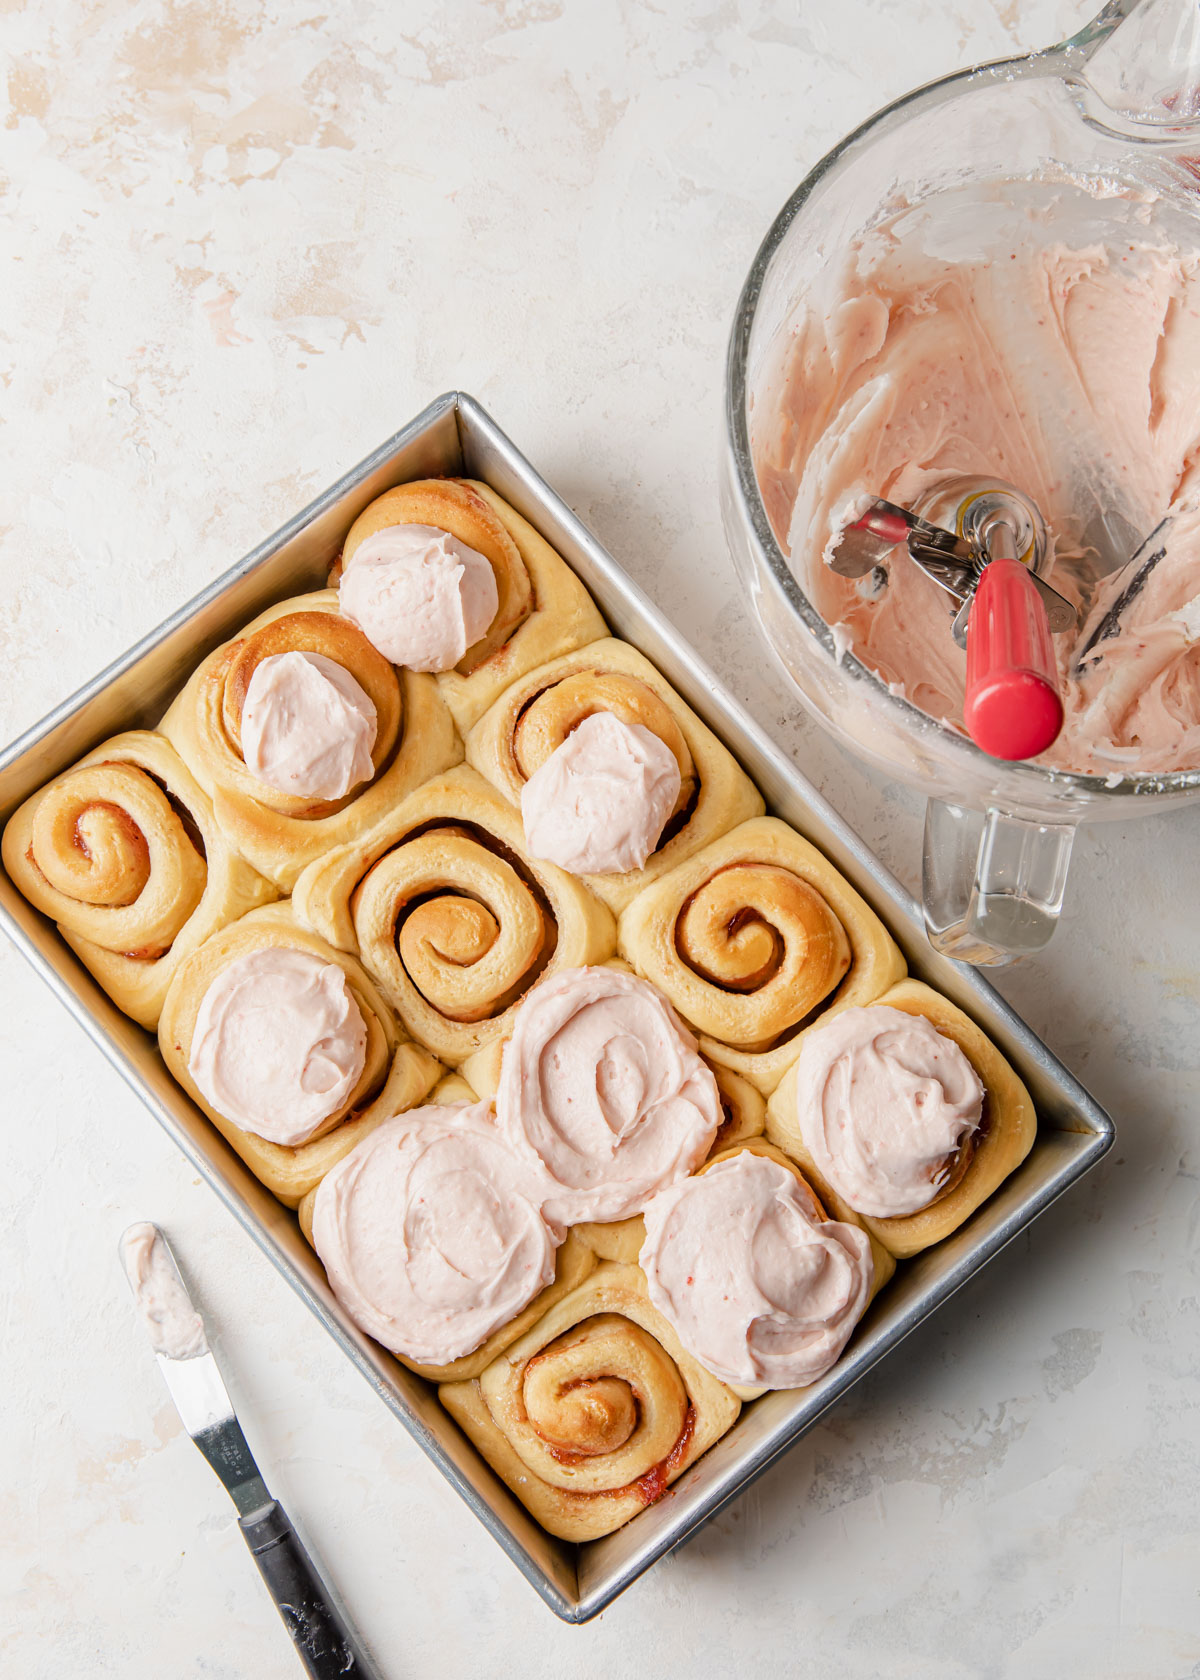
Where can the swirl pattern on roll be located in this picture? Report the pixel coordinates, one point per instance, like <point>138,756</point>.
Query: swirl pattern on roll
<point>750,938</point>
<point>533,720</point>
<point>397,733</point>
<point>451,916</point>
<point>592,1414</point>
<point>365,1082</point>
<point>123,852</point>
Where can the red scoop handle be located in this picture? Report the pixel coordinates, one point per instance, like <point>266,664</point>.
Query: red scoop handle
<point>1012,708</point>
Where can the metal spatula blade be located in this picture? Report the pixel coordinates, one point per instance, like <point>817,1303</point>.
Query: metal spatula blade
<point>319,1632</point>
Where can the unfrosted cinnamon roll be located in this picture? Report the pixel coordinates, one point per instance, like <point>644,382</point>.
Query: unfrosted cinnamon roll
<point>421,597</point>
<point>927,1120</point>
<point>593,1413</point>
<point>304,734</point>
<point>288,1048</point>
<point>753,936</point>
<point>449,913</point>
<point>623,811</point>
<point>123,851</point>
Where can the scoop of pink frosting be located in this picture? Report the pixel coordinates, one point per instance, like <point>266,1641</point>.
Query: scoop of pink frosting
<point>760,1287</point>
<point>308,727</point>
<point>419,595</point>
<point>601,1086</point>
<point>279,1043</point>
<point>884,1101</point>
<point>599,803</point>
<point>431,1233</point>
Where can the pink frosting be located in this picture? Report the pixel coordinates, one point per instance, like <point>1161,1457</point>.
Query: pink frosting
<point>602,1087</point>
<point>308,727</point>
<point>419,595</point>
<point>760,1288</point>
<point>965,338</point>
<point>884,1100</point>
<point>175,1327</point>
<point>431,1233</point>
<point>279,1043</point>
<point>599,803</point>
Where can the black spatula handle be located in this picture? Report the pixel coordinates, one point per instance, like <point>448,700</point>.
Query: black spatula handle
<point>326,1646</point>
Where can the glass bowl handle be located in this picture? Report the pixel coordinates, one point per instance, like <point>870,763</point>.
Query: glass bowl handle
<point>993,881</point>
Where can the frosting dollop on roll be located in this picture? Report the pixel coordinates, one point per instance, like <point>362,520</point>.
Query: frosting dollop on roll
<point>307,726</point>
<point>431,1232</point>
<point>599,803</point>
<point>419,595</point>
<point>761,1287</point>
<point>884,1102</point>
<point>279,1043</point>
<point>602,1087</point>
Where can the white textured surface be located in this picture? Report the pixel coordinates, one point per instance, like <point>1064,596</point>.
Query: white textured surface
<point>251,241</point>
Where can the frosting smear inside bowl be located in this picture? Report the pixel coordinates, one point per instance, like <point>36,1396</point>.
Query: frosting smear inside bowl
<point>1045,337</point>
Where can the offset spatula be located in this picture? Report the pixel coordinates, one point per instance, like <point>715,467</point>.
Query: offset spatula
<point>325,1644</point>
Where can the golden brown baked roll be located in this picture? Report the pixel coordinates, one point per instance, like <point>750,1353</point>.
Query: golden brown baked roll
<point>984,1160</point>
<point>543,608</point>
<point>395,1073</point>
<point>448,912</point>
<point>596,1410</point>
<point>281,832</point>
<point>123,851</point>
<point>572,1264</point>
<point>750,938</point>
<point>744,1107</point>
<point>536,715</point>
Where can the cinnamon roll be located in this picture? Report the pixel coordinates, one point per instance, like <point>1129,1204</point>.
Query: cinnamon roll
<point>413,573</point>
<point>573,1260</point>
<point>743,1119</point>
<point>303,734</point>
<point>288,1048</point>
<point>593,1413</point>
<point>760,1284</point>
<point>603,1093</point>
<point>751,938</point>
<point>432,1232</point>
<point>622,809</point>
<point>904,1114</point>
<point>123,851</point>
<point>449,913</point>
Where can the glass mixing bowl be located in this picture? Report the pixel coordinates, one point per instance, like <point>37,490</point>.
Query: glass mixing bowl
<point>1116,107</point>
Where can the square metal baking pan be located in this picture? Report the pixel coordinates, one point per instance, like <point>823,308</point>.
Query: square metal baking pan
<point>455,436</point>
